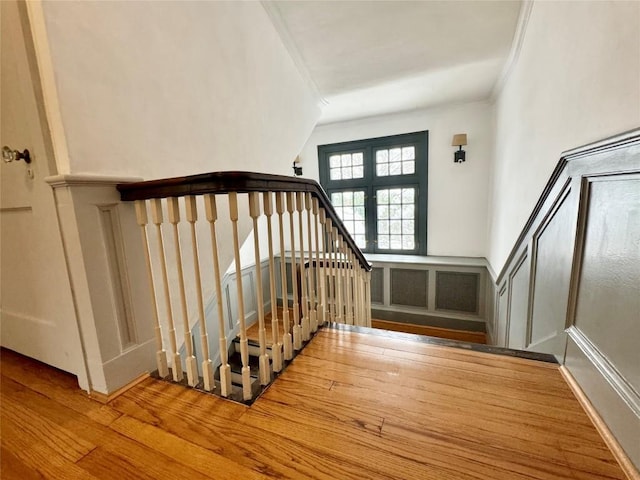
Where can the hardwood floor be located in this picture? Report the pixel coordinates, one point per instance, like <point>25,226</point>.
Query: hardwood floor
<point>350,406</point>
<point>461,335</point>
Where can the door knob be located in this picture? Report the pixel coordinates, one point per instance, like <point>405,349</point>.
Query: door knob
<point>9,155</point>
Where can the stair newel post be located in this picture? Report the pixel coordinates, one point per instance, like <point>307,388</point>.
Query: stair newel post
<point>304,322</point>
<point>211,212</point>
<point>311,271</point>
<point>191,363</point>
<point>276,345</point>
<point>367,297</point>
<point>339,276</point>
<point>161,354</point>
<point>349,289</point>
<point>157,219</point>
<point>361,282</point>
<point>297,329</point>
<point>331,305</point>
<point>244,344</point>
<point>320,278</point>
<point>263,359</point>
<point>349,284</point>
<point>287,341</point>
<point>358,302</point>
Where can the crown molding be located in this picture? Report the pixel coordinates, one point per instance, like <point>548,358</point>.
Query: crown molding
<point>285,36</point>
<point>516,47</point>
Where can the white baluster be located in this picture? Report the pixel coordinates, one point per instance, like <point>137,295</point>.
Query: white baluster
<point>207,366</point>
<point>156,216</point>
<point>320,278</point>
<point>161,354</point>
<point>303,274</point>
<point>367,298</point>
<point>287,341</point>
<point>311,271</point>
<point>276,345</point>
<point>297,329</point>
<point>332,271</point>
<point>225,369</point>
<point>244,346</point>
<point>191,362</point>
<point>339,276</point>
<point>265,368</point>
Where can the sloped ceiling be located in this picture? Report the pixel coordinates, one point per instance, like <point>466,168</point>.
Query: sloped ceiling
<point>374,57</point>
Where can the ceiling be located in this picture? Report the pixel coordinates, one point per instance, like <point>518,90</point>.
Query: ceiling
<point>374,57</point>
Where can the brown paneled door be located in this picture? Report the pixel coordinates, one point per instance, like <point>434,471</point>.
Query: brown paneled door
<point>37,315</point>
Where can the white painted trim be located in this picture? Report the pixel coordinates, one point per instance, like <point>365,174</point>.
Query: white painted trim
<point>68,180</point>
<point>37,23</point>
<point>606,369</point>
<point>273,12</point>
<point>603,429</point>
<point>516,47</point>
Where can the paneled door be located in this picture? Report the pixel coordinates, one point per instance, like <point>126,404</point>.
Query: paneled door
<point>37,315</point>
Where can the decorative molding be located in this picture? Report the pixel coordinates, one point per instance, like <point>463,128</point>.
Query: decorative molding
<point>509,285</point>
<point>117,267</point>
<point>606,369</point>
<point>558,202</point>
<point>614,142</point>
<point>273,12</point>
<point>74,180</point>
<point>516,47</point>
<point>106,398</point>
<point>47,80</point>
<point>616,449</point>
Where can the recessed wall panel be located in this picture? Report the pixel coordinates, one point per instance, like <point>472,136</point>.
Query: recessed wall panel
<point>553,258</point>
<point>519,305</point>
<point>457,291</point>
<point>608,297</point>
<point>377,285</point>
<point>409,287</point>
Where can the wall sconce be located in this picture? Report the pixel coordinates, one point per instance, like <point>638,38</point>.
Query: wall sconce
<point>459,139</point>
<point>297,169</point>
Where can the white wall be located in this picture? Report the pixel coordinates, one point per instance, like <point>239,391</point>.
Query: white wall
<point>458,193</point>
<point>159,89</point>
<point>577,80</point>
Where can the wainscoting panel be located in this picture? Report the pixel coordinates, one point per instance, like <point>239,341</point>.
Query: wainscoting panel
<point>409,287</point>
<point>518,304</point>
<point>445,292</point>
<point>377,285</point>
<point>502,312</point>
<point>584,239</point>
<point>458,291</point>
<point>553,254</point>
<point>608,298</point>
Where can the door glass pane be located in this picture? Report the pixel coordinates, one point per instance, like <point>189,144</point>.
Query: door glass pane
<point>346,166</point>
<point>350,205</point>
<point>395,161</point>
<point>396,229</point>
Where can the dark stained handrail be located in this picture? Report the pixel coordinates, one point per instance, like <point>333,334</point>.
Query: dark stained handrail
<point>239,182</point>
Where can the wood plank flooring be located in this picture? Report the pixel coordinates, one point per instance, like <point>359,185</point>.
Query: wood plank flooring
<point>350,406</point>
<point>461,335</point>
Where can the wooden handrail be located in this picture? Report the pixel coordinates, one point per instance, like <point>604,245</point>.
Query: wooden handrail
<point>238,182</point>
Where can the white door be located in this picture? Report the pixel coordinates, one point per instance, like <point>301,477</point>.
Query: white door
<point>37,316</point>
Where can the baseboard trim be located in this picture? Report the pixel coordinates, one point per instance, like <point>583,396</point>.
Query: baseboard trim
<point>106,398</point>
<point>606,369</point>
<point>618,452</point>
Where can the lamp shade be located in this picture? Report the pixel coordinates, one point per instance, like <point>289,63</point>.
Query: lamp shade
<point>459,139</point>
